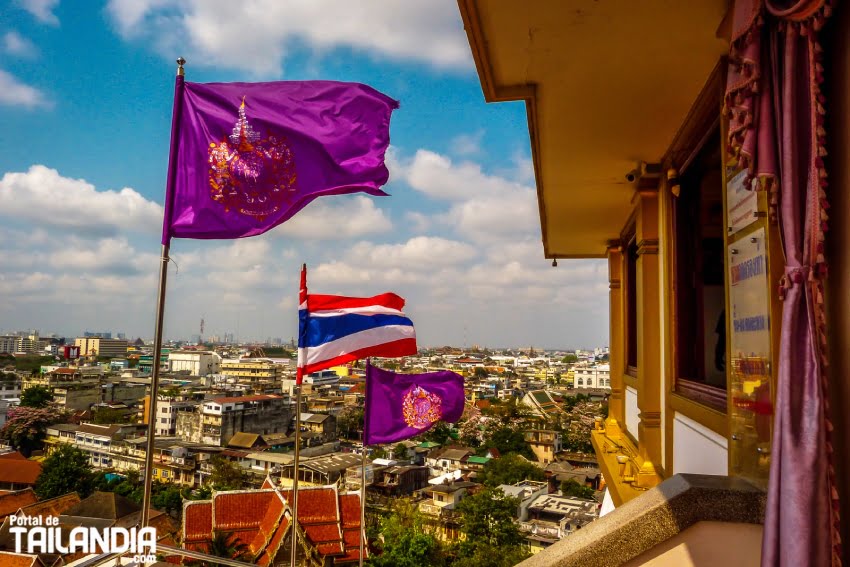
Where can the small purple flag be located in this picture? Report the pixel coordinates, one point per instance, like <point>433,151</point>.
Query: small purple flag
<point>246,157</point>
<point>400,406</point>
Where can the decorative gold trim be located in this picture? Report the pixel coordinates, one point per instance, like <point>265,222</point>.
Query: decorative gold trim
<point>715,420</point>
<point>648,246</point>
<point>502,93</point>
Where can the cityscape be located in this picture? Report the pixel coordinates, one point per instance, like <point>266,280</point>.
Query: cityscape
<point>225,428</point>
<point>424,283</point>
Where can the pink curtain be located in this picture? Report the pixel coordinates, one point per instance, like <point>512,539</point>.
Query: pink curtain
<point>776,128</point>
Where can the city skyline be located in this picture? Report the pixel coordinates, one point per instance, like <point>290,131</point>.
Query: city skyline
<point>87,103</point>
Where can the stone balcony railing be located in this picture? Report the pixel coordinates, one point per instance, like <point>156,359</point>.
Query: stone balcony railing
<point>686,520</point>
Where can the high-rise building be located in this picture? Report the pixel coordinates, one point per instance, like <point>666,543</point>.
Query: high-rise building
<point>101,346</point>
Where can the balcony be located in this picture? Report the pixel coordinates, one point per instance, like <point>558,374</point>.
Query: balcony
<point>679,522</point>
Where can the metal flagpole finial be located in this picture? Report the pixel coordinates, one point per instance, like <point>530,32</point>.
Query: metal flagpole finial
<point>180,63</point>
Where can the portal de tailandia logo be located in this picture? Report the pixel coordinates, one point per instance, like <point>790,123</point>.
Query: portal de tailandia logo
<point>35,534</point>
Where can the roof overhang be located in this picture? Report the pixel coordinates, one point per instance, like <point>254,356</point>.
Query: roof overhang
<point>606,84</point>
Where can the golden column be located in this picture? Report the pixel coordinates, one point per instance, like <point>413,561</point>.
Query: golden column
<point>616,346</point>
<point>649,333</point>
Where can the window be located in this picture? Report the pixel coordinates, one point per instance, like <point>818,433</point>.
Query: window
<point>580,382</point>
<point>699,296</point>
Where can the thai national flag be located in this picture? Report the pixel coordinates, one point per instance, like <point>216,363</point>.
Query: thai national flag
<point>334,329</point>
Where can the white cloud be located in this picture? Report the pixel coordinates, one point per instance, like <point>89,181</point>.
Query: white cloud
<point>16,44</point>
<point>484,207</point>
<point>437,176</point>
<point>340,217</point>
<point>44,197</point>
<point>259,35</point>
<point>465,145</point>
<point>42,10</point>
<point>421,253</point>
<point>15,93</point>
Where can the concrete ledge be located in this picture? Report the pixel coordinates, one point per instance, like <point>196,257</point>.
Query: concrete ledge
<point>654,517</point>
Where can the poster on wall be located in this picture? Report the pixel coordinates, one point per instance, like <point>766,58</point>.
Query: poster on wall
<point>749,328</point>
<point>741,202</point>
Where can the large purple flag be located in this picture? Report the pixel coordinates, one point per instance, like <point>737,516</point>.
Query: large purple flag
<point>246,157</point>
<point>400,406</point>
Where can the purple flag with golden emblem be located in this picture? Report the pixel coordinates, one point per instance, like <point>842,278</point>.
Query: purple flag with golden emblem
<point>400,406</point>
<point>246,157</point>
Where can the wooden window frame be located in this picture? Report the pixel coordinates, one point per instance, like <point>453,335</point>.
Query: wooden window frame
<point>700,129</point>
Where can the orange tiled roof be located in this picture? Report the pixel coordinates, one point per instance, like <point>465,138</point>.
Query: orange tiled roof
<point>53,506</point>
<point>260,519</point>
<point>19,560</point>
<point>11,502</point>
<point>240,509</point>
<point>197,521</point>
<point>13,455</point>
<point>19,472</point>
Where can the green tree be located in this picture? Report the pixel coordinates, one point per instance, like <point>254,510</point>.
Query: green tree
<point>400,451</point>
<point>480,372</point>
<point>406,540</point>
<point>168,498</point>
<point>350,421</point>
<point>492,536</point>
<point>26,428</point>
<point>106,416</point>
<point>509,469</point>
<point>229,546</point>
<point>440,433</point>
<point>36,397</point>
<point>572,487</point>
<point>226,475</point>
<point>509,440</point>
<point>569,359</point>
<point>66,470</point>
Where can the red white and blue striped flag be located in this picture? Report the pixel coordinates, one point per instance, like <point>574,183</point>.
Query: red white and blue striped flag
<point>334,329</point>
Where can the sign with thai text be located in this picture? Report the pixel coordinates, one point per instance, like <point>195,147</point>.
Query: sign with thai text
<point>741,202</point>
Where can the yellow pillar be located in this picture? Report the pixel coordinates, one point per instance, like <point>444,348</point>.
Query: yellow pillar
<point>648,332</point>
<point>616,346</point>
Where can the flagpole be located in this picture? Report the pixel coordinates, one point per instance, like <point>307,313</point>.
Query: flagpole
<point>160,305</point>
<point>295,472</point>
<point>362,503</point>
<point>299,378</point>
<point>363,470</point>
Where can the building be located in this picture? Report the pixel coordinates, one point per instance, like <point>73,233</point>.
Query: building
<point>195,362</point>
<point>74,396</point>
<point>322,425</point>
<point>174,460</point>
<point>215,421</point>
<point>321,470</point>
<point>526,491</point>
<point>101,347</point>
<point>260,520</point>
<point>447,459</point>
<point>544,444</point>
<point>593,377</point>
<point>8,344</point>
<point>397,481</point>
<point>17,472</point>
<point>542,404</point>
<point>439,509</point>
<point>551,517</point>
<point>146,362</point>
<point>645,146</point>
<point>98,441</point>
<point>252,370</point>
<point>167,410</point>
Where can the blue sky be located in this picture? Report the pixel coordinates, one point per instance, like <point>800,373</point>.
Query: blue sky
<point>85,103</point>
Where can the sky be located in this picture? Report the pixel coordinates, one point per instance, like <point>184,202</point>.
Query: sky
<point>86,92</point>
